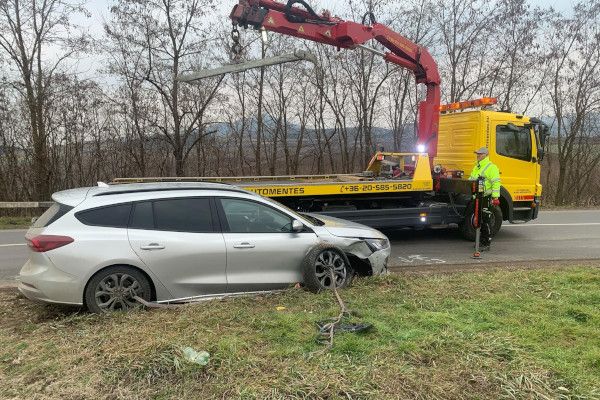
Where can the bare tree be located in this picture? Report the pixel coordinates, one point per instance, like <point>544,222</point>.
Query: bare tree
<point>515,76</point>
<point>28,31</point>
<point>465,45</point>
<point>574,64</point>
<point>174,36</point>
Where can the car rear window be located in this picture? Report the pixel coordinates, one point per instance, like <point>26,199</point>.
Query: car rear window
<point>55,211</point>
<point>115,216</point>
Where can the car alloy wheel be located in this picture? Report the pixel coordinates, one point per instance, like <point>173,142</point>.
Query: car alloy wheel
<point>114,289</point>
<point>327,261</point>
<point>318,264</point>
<point>117,292</point>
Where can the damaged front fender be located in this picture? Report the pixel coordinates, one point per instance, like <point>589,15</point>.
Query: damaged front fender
<point>364,260</point>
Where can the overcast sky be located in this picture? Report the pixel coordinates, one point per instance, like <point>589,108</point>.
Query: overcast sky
<point>88,65</point>
<point>100,9</point>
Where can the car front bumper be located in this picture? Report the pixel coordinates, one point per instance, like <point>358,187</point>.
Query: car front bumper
<point>379,260</point>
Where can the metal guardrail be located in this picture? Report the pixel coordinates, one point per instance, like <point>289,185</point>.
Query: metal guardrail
<point>25,204</point>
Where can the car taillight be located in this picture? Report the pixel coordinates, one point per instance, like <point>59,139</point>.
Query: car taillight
<point>42,243</point>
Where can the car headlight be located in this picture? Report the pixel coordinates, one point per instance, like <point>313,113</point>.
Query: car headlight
<point>377,244</point>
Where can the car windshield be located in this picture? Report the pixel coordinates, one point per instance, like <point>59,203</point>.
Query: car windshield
<point>296,214</point>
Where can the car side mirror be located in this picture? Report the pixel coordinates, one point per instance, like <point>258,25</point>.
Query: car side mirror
<point>297,226</point>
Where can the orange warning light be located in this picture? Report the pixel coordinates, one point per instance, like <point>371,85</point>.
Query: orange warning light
<point>461,105</point>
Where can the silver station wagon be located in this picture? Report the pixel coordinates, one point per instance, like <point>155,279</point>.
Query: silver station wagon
<point>170,242</point>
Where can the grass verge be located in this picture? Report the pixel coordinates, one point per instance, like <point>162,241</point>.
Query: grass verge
<point>496,334</point>
<point>15,222</point>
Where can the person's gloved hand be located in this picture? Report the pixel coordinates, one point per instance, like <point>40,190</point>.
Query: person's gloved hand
<point>496,202</point>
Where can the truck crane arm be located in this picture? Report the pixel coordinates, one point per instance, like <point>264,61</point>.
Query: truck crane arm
<point>306,24</point>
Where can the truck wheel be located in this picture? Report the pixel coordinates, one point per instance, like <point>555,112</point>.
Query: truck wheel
<point>466,226</point>
<point>496,220</point>
<point>317,264</point>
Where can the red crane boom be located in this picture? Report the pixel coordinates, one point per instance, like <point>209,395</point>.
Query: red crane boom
<point>306,24</point>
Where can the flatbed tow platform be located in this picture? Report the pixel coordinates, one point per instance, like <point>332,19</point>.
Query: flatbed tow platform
<point>376,197</point>
<point>419,179</point>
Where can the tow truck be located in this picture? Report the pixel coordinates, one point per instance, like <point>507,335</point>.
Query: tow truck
<point>426,188</point>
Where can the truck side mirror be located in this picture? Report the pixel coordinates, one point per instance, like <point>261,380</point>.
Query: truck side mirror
<point>544,134</point>
<point>513,127</point>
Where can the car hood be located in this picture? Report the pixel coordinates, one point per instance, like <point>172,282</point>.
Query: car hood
<point>344,228</point>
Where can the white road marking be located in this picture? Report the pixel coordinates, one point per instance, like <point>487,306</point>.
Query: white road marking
<point>14,244</point>
<point>571,224</point>
<point>418,257</point>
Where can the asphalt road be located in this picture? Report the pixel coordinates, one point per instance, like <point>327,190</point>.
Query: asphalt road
<point>13,252</point>
<point>555,235</point>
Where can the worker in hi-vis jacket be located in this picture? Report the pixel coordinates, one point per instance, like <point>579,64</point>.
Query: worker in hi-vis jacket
<point>491,196</point>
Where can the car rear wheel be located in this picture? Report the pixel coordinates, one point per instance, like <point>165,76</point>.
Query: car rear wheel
<point>114,289</point>
<point>317,266</point>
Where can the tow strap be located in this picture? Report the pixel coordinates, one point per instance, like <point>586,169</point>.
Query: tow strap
<point>328,328</point>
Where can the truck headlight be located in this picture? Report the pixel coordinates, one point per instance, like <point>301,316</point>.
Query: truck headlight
<point>377,244</point>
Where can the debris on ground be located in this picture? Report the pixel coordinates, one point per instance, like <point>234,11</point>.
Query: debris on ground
<point>195,357</point>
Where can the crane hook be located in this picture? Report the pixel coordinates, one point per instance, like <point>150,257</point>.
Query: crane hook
<point>236,47</point>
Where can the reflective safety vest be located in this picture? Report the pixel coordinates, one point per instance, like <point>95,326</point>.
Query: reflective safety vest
<point>491,175</point>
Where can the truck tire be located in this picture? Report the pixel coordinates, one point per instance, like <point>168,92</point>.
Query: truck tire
<point>316,266</point>
<point>466,227</point>
<point>497,218</point>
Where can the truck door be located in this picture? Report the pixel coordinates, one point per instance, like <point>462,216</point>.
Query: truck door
<point>515,154</point>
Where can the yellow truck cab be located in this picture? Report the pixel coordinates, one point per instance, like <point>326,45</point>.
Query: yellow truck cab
<point>515,145</point>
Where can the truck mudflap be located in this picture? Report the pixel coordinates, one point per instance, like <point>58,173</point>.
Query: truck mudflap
<point>523,211</point>
<point>537,202</point>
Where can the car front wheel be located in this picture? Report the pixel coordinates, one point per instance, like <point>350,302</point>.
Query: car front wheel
<point>317,267</point>
<point>114,289</point>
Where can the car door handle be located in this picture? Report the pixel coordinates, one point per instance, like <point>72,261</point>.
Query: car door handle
<point>243,245</point>
<point>152,246</point>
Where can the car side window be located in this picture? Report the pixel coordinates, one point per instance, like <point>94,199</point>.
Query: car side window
<point>183,215</point>
<point>513,143</point>
<point>115,216</point>
<point>142,216</point>
<point>245,216</point>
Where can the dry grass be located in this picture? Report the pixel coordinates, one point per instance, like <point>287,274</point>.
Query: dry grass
<point>15,222</point>
<point>513,335</point>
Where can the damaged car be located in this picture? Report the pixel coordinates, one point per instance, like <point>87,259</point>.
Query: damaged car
<point>109,246</point>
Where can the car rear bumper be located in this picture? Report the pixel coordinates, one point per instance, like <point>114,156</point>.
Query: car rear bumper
<point>40,280</point>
